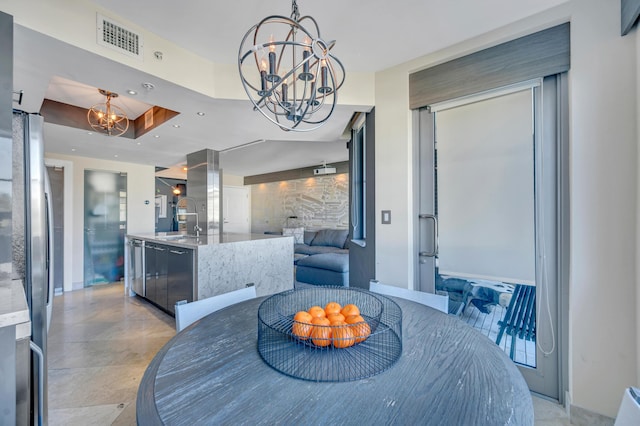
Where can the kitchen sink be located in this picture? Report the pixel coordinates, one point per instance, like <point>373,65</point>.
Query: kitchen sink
<point>176,237</point>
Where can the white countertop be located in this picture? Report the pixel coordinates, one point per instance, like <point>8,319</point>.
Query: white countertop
<point>191,241</point>
<point>13,307</point>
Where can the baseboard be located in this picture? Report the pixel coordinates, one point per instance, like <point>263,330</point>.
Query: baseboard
<point>583,417</point>
<point>79,285</point>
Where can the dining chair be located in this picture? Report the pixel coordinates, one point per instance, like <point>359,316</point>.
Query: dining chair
<point>435,301</point>
<point>188,313</point>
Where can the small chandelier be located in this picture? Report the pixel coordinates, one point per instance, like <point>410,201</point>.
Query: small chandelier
<point>289,73</point>
<point>107,118</point>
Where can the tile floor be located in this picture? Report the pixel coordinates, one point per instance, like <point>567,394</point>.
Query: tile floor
<point>100,344</point>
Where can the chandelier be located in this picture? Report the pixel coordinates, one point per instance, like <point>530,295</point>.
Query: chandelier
<point>108,118</point>
<point>288,71</point>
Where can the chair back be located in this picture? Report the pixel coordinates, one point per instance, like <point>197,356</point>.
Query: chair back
<point>188,313</point>
<point>435,301</point>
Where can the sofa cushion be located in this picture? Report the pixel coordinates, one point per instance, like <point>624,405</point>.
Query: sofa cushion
<point>331,237</point>
<point>309,250</point>
<point>321,277</point>
<point>329,261</point>
<point>309,236</point>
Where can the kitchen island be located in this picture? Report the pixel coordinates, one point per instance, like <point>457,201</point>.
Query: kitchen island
<point>176,266</point>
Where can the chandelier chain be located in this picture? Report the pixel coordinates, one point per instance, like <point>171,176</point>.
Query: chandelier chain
<point>295,13</point>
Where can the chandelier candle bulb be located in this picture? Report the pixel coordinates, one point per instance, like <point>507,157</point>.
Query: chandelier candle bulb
<point>263,78</point>
<point>285,94</point>
<point>272,58</point>
<point>323,78</point>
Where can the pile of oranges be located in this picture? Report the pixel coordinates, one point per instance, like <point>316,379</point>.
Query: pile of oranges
<point>334,325</point>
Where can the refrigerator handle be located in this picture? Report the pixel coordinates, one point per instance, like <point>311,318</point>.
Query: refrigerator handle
<point>35,348</point>
<point>49,230</point>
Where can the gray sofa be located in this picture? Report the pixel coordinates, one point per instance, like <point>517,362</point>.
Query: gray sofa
<point>322,258</point>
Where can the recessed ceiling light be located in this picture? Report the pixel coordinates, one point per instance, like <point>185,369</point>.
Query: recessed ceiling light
<point>156,136</point>
<point>177,126</point>
<point>185,168</point>
<point>89,133</point>
<point>115,155</point>
<point>200,113</point>
<point>73,149</point>
<point>132,92</point>
<point>138,143</point>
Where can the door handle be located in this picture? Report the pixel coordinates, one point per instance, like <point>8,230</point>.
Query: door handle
<point>433,252</point>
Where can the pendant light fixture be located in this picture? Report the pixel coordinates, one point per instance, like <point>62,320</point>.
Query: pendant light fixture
<point>108,118</point>
<point>288,71</point>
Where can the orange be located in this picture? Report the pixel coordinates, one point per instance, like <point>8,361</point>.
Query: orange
<point>321,334</point>
<point>342,336</point>
<point>316,312</point>
<point>302,325</point>
<point>332,308</point>
<point>359,327</point>
<point>320,321</point>
<point>335,317</point>
<point>350,309</point>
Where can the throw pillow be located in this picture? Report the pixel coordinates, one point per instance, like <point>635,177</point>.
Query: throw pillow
<point>296,233</point>
<point>331,237</point>
<point>309,236</point>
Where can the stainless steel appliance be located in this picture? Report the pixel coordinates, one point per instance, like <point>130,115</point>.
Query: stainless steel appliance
<point>33,246</point>
<point>136,275</point>
<point>25,247</point>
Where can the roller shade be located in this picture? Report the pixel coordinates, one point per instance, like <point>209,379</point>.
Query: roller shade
<point>485,189</point>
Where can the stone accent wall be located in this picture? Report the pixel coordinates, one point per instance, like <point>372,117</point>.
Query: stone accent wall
<point>318,202</point>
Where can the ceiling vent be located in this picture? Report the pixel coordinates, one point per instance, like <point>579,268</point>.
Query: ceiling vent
<point>113,35</point>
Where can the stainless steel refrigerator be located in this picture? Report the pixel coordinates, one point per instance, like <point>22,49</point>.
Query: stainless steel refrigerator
<point>33,246</point>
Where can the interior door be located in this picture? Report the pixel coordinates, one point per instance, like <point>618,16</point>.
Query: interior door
<point>486,219</point>
<point>236,209</point>
<point>105,223</point>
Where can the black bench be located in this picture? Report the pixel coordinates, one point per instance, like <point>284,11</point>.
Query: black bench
<point>520,319</point>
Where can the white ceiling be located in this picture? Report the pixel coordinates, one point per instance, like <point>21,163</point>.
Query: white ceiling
<point>371,35</point>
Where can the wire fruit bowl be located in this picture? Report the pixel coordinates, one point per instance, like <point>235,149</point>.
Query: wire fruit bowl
<point>332,359</point>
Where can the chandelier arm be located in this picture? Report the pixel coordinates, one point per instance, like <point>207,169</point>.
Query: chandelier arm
<point>315,24</point>
<point>341,70</point>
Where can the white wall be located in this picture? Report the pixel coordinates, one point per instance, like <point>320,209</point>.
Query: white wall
<point>603,341</point>
<point>140,216</point>
<point>603,220</point>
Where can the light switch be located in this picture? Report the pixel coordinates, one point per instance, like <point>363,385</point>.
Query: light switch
<point>386,217</point>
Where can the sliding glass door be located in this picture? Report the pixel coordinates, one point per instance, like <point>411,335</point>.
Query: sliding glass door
<point>487,219</point>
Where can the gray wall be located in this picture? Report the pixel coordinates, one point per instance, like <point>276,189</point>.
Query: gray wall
<point>362,260</point>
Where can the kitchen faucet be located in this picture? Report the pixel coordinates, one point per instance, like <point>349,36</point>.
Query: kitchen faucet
<point>197,229</point>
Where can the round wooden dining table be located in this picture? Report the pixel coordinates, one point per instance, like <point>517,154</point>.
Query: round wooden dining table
<point>448,374</point>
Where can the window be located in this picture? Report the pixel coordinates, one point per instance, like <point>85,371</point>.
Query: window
<point>359,183</point>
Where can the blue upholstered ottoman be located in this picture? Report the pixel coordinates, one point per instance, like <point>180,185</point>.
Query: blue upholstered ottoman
<point>324,269</point>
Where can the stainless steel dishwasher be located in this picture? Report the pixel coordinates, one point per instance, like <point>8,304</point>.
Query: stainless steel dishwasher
<point>136,267</point>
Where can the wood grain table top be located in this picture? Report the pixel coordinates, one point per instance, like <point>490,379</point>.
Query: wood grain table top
<point>448,374</point>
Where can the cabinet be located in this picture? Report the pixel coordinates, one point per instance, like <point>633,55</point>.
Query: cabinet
<point>169,275</point>
<point>180,277</point>
<point>156,270</point>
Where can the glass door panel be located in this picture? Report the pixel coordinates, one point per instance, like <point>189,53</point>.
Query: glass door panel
<point>105,220</point>
<point>486,226</point>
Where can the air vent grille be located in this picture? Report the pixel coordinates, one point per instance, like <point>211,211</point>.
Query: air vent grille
<point>117,37</point>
